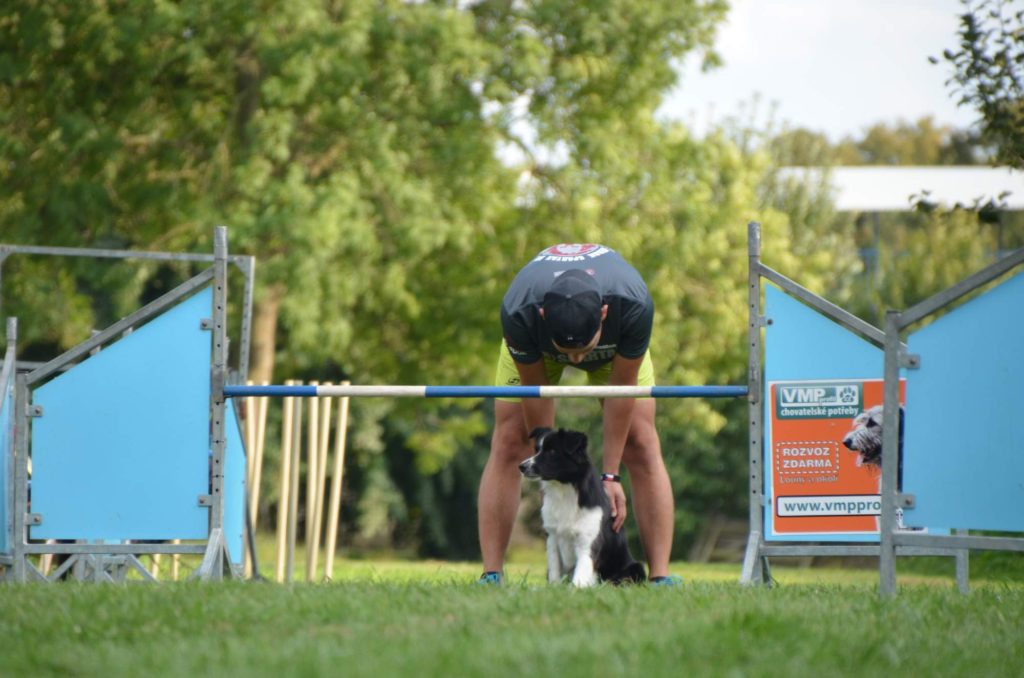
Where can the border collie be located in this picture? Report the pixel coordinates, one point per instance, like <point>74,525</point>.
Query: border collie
<point>577,514</point>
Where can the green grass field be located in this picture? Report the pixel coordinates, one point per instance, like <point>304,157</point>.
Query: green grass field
<point>382,618</point>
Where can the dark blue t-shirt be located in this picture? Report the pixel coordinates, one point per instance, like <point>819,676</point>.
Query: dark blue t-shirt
<point>626,330</point>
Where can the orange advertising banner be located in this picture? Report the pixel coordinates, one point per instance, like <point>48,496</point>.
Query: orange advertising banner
<point>819,487</point>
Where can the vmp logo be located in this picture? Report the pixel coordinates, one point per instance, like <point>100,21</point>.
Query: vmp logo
<point>818,400</point>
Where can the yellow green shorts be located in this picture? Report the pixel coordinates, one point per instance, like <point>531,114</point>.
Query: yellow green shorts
<point>506,373</point>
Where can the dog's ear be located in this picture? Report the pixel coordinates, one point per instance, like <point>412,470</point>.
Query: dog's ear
<point>539,431</point>
<point>576,443</point>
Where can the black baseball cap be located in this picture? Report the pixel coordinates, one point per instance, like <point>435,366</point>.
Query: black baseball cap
<point>572,308</point>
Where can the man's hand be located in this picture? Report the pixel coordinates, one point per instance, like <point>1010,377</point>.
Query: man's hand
<point>618,499</point>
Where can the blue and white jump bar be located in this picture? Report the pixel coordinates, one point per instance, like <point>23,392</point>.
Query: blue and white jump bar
<point>487,391</point>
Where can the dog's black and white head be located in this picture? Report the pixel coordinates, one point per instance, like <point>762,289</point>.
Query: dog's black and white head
<point>865,438</point>
<point>560,456</point>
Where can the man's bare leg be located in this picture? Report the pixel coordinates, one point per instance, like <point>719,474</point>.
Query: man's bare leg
<point>653,502</point>
<point>498,500</point>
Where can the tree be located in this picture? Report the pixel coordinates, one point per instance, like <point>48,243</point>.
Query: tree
<point>920,143</point>
<point>900,143</point>
<point>350,147</point>
<point>988,73</point>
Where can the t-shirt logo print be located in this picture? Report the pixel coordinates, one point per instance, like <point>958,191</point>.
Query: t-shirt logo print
<point>572,252</point>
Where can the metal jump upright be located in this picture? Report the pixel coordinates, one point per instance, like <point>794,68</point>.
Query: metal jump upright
<point>112,544</point>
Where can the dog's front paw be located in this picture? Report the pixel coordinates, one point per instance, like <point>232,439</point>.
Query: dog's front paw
<point>584,577</point>
<point>584,582</point>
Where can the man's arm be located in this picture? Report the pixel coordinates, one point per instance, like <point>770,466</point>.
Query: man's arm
<point>618,415</point>
<point>536,411</point>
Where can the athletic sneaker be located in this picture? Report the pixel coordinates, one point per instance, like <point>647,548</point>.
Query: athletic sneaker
<point>490,579</point>
<point>670,580</point>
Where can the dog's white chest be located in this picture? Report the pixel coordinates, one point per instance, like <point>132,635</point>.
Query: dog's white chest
<point>572,532</point>
<point>562,515</point>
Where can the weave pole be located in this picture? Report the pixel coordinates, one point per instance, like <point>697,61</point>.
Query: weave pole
<point>285,500</point>
<point>334,512</point>
<point>487,391</point>
<point>257,476</point>
<point>312,473</point>
<point>293,497</point>
<point>321,477</point>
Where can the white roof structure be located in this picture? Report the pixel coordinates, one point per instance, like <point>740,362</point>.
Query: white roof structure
<point>888,189</point>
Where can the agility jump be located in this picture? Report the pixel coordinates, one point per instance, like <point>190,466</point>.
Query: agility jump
<point>949,352</point>
<point>121,467</point>
<point>792,317</point>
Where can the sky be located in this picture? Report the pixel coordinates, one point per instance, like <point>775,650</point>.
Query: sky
<point>834,66</point>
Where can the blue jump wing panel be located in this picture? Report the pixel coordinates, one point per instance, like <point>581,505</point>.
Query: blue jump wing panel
<point>802,345</point>
<point>6,464</point>
<point>964,439</point>
<point>122,449</point>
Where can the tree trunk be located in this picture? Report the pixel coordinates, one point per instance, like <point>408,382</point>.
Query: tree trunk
<point>264,332</point>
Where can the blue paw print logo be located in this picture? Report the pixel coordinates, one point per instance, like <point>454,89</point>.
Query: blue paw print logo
<point>848,395</point>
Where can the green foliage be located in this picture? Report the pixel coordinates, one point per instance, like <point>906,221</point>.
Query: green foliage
<point>901,143</point>
<point>904,257</point>
<point>920,143</point>
<point>51,290</point>
<point>988,73</point>
<point>943,250</point>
